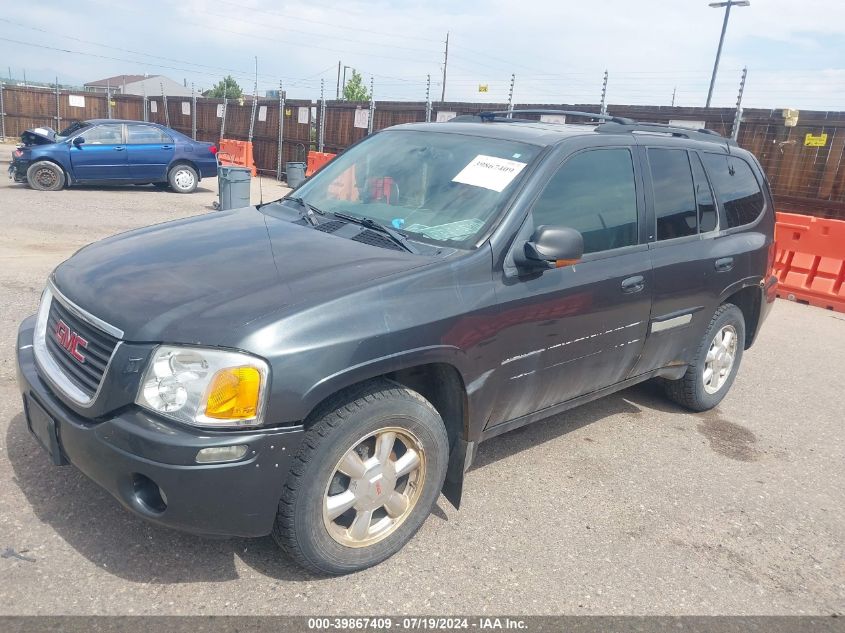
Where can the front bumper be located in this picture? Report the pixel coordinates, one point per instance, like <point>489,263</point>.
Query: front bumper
<point>135,456</point>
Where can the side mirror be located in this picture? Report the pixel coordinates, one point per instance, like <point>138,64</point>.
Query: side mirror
<point>79,140</point>
<point>551,247</point>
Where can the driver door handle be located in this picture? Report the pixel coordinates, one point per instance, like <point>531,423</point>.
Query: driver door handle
<point>724,264</point>
<point>633,284</point>
<point>119,148</point>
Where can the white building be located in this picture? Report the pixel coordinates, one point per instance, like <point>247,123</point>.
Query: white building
<point>151,85</point>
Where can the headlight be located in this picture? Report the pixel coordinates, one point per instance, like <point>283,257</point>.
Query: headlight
<point>205,387</point>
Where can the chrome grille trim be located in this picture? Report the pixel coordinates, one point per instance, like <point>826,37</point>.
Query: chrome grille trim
<point>50,370</point>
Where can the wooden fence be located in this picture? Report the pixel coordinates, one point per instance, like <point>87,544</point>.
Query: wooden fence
<point>807,173</point>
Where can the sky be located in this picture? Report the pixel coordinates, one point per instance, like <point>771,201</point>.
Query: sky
<point>556,50</point>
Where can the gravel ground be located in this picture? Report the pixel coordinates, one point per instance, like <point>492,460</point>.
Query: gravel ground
<point>628,505</point>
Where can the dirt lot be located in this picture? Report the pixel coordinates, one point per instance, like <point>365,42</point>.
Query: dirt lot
<point>626,505</point>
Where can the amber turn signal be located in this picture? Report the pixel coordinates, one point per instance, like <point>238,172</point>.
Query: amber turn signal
<point>233,394</point>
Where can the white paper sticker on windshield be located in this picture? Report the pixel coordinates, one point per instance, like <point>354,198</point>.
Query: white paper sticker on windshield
<point>489,172</point>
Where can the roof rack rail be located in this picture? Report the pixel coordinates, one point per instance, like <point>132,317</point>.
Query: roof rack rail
<point>702,134</point>
<point>490,116</point>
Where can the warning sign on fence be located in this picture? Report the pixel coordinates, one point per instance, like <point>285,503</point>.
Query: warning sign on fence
<point>76,101</point>
<point>362,118</point>
<point>813,140</point>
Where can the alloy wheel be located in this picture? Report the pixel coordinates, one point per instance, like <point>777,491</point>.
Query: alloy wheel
<point>374,487</point>
<point>720,359</point>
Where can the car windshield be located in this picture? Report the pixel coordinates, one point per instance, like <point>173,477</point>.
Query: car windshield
<point>73,128</point>
<point>434,187</point>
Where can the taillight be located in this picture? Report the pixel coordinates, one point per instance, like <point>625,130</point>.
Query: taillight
<point>213,149</point>
<point>18,153</point>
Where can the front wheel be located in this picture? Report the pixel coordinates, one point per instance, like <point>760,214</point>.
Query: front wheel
<point>369,471</point>
<point>45,176</point>
<point>712,372</point>
<point>183,178</point>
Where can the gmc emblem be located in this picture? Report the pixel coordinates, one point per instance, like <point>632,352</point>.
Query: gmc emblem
<point>70,340</point>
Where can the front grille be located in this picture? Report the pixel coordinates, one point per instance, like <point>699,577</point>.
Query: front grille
<point>88,374</point>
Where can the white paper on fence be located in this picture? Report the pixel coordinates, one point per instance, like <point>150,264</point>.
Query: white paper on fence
<point>219,110</point>
<point>262,113</point>
<point>553,118</point>
<point>77,101</point>
<point>444,115</point>
<point>186,108</point>
<point>489,172</point>
<point>302,114</point>
<point>689,125</point>
<point>153,106</point>
<point>362,118</point>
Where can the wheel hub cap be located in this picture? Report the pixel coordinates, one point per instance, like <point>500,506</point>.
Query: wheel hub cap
<point>720,359</point>
<point>184,179</point>
<point>374,487</point>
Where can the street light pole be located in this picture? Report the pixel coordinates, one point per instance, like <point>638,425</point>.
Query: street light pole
<point>717,5</point>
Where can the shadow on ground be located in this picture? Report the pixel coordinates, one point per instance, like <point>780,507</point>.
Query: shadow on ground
<point>101,530</point>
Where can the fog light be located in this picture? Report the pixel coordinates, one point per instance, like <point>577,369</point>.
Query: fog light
<point>216,454</point>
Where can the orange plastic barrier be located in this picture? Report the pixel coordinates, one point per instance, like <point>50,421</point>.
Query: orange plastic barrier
<point>239,153</point>
<point>317,160</point>
<point>810,260</point>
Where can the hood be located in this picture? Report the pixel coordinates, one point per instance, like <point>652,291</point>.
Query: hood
<point>39,136</point>
<point>204,279</point>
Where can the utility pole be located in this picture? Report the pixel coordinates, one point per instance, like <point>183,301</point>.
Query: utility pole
<point>445,61</point>
<point>718,5</point>
<point>164,104</point>
<point>738,116</point>
<point>322,115</point>
<point>343,85</point>
<point>372,108</point>
<point>510,96</point>
<point>674,90</point>
<point>338,80</point>
<point>281,132</point>
<point>254,102</point>
<point>428,98</point>
<point>604,95</point>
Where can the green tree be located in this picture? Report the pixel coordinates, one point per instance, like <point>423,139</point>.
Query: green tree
<point>355,90</point>
<point>226,87</point>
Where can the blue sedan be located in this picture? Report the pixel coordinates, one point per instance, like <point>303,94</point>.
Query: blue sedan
<point>114,152</point>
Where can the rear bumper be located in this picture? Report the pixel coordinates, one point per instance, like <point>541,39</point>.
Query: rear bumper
<point>136,456</point>
<point>17,169</point>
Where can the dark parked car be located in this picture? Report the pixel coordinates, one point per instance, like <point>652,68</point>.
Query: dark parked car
<point>321,367</point>
<point>112,152</point>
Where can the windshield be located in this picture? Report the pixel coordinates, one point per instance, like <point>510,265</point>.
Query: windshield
<point>432,186</point>
<point>73,128</point>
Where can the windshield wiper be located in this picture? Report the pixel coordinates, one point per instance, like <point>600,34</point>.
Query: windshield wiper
<point>310,209</point>
<point>369,223</point>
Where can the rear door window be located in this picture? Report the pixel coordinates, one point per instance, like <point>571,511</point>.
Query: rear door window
<point>736,188</point>
<point>137,134</point>
<point>674,195</point>
<point>708,218</point>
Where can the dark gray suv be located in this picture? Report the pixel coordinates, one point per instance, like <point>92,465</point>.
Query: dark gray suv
<point>323,366</point>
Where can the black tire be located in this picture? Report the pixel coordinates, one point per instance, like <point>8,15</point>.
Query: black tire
<point>45,176</point>
<point>183,178</point>
<point>161,185</point>
<point>690,391</point>
<point>300,528</point>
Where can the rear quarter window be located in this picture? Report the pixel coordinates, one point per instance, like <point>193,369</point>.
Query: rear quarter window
<point>736,188</point>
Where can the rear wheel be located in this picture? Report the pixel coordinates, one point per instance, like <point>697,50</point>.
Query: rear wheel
<point>712,372</point>
<point>368,473</point>
<point>45,176</point>
<point>183,178</point>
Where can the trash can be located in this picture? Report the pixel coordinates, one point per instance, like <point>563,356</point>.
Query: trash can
<point>296,174</point>
<point>233,184</point>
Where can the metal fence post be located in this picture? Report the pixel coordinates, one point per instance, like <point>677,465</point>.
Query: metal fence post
<point>738,116</point>
<point>108,98</point>
<point>223,119</point>
<point>322,131</point>
<point>193,112</point>
<point>58,112</point>
<point>372,108</point>
<point>164,104</point>
<point>510,96</point>
<point>144,103</point>
<point>281,133</point>
<point>428,98</point>
<point>604,95</point>
<point>2,114</point>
